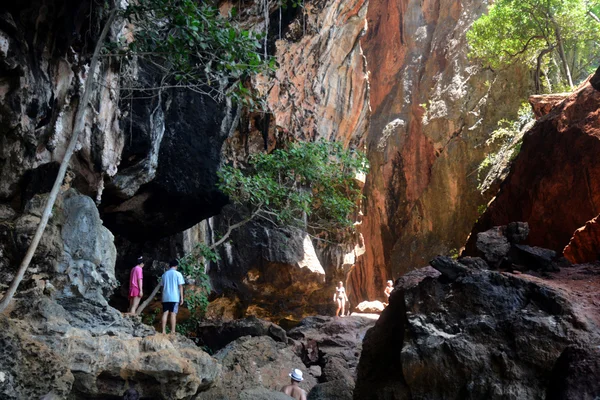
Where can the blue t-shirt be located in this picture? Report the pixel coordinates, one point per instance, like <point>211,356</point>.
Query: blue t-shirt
<point>171,281</point>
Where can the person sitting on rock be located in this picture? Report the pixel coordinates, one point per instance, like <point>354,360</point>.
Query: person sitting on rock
<point>293,389</point>
<point>172,295</point>
<point>136,288</point>
<point>340,298</point>
<point>388,291</point>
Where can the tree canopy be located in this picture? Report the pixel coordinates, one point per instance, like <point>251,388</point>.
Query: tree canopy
<point>310,185</point>
<point>191,45</point>
<point>559,39</point>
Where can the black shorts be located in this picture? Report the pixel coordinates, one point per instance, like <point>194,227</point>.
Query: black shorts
<point>171,306</point>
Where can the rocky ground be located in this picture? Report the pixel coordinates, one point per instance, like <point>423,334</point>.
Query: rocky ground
<point>517,323</point>
<point>80,350</point>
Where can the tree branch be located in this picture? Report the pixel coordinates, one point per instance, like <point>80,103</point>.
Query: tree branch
<point>78,127</point>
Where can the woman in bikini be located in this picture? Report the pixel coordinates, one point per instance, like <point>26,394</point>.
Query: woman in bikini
<point>340,298</point>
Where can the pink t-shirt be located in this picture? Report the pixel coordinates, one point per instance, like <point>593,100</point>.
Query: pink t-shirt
<point>134,277</point>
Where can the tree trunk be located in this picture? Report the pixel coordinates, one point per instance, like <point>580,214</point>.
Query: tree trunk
<point>538,68</point>
<point>561,54</point>
<point>78,127</point>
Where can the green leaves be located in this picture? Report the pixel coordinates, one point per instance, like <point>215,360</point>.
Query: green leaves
<point>195,45</point>
<point>518,31</point>
<point>315,181</point>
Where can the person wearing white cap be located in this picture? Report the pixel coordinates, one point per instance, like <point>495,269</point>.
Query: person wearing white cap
<point>388,291</point>
<point>293,389</point>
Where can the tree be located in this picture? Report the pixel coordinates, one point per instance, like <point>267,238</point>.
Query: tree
<point>191,46</point>
<point>556,37</point>
<point>309,185</point>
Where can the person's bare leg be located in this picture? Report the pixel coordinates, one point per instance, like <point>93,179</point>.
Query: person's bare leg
<point>130,305</point>
<point>164,322</point>
<point>343,307</point>
<point>339,304</point>
<point>134,305</point>
<point>173,317</point>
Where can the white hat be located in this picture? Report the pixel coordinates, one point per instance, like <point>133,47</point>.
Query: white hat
<point>297,375</point>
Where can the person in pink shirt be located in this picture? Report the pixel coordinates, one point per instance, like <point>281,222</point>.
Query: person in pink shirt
<point>136,287</point>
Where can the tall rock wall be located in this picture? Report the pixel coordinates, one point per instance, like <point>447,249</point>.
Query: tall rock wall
<point>432,111</point>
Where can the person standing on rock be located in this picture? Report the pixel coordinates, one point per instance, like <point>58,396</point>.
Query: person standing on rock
<point>293,389</point>
<point>172,296</point>
<point>340,298</point>
<point>388,291</point>
<point>136,287</point>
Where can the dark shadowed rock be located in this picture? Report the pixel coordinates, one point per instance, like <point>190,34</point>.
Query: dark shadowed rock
<point>485,335</point>
<point>218,335</point>
<point>413,278</point>
<point>449,268</point>
<point>262,394</point>
<point>517,232</point>
<point>339,390</point>
<point>534,258</point>
<point>595,80</point>
<point>576,375</point>
<point>474,262</point>
<point>493,246</point>
<point>336,369</point>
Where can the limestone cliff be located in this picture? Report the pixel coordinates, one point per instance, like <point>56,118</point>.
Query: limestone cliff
<point>432,111</point>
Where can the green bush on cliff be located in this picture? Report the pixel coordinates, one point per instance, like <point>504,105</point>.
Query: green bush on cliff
<point>559,39</point>
<point>311,185</point>
<point>191,45</point>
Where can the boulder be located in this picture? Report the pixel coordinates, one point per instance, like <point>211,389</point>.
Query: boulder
<point>262,394</point>
<point>575,375</point>
<point>584,246</point>
<point>104,353</point>
<point>484,335</point>
<point>218,335</point>
<point>493,246</point>
<point>517,232</point>
<point>449,268</point>
<point>534,258</point>
<point>474,262</point>
<point>546,186</point>
<point>370,307</point>
<point>339,390</point>
<point>542,104</point>
<point>334,344</point>
<point>29,369</point>
<point>255,362</point>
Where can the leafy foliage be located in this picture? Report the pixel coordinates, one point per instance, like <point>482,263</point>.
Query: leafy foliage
<point>563,34</point>
<point>507,140</point>
<point>310,184</point>
<point>192,265</point>
<point>193,46</point>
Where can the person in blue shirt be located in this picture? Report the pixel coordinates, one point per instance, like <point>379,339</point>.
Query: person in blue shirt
<point>172,295</point>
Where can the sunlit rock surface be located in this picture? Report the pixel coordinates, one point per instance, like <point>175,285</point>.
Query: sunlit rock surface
<point>432,112</point>
<point>584,246</point>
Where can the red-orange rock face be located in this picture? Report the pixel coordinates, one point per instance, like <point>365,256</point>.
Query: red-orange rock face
<point>431,114</point>
<point>554,183</point>
<point>584,246</point>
